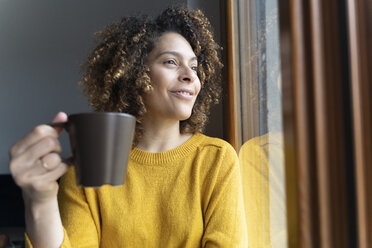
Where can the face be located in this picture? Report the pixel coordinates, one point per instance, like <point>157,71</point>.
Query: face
<point>173,73</point>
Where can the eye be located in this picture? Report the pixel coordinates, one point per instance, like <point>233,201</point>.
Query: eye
<point>194,68</point>
<point>170,62</point>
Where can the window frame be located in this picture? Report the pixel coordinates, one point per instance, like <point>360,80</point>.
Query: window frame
<point>360,35</point>
<point>323,197</point>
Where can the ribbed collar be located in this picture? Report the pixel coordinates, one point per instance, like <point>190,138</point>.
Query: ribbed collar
<point>166,157</point>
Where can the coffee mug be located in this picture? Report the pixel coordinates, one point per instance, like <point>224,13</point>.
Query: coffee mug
<point>100,145</point>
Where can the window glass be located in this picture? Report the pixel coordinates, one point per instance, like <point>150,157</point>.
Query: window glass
<point>261,154</point>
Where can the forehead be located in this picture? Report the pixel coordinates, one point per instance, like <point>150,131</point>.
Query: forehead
<point>172,42</point>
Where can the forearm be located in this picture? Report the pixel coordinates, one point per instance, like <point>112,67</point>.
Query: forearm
<point>43,223</point>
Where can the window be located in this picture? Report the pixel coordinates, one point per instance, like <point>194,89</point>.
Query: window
<point>260,133</point>
<point>321,111</point>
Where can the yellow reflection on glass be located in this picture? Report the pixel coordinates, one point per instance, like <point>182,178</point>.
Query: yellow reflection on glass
<point>262,170</point>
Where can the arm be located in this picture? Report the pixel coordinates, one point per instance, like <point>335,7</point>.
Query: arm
<point>38,182</point>
<point>79,228</point>
<point>225,224</point>
<point>43,223</point>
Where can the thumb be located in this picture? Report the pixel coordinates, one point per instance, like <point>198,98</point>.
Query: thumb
<point>60,117</point>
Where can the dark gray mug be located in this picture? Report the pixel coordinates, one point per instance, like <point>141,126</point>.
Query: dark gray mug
<point>100,144</point>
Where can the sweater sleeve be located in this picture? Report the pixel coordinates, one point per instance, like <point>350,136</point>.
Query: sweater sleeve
<point>225,224</point>
<point>77,218</point>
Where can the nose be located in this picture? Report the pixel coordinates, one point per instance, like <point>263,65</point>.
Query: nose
<point>187,75</point>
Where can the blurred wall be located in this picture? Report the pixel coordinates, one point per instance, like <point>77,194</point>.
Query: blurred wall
<point>42,44</point>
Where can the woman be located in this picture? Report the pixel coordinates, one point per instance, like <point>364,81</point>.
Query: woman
<point>182,189</point>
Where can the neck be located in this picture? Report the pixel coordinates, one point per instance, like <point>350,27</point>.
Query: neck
<point>161,136</point>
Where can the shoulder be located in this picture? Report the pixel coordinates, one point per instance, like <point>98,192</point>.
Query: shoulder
<point>207,141</point>
<point>216,145</point>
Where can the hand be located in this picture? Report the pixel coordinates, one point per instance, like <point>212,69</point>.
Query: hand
<point>35,163</point>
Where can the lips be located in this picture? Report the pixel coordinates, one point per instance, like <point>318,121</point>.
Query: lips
<point>184,93</point>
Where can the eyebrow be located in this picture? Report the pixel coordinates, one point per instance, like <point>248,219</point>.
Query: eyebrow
<point>176,54</point>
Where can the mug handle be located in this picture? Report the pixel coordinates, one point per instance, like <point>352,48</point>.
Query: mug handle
<point>59,124</point>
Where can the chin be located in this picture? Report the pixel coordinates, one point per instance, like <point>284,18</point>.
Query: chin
<point>184,117</point>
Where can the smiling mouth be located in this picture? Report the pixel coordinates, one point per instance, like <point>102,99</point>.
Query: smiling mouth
<point>183,94</point>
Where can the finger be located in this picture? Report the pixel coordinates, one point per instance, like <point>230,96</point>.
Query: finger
<point>36,134</point>
<point>44,165</point>
<point>38,177</point>
<point>45,186</point>
<point>60,117</point>
<point>31,138</point>
<point>54,174</point>
<point>50,161</point>
<point>27,160</point>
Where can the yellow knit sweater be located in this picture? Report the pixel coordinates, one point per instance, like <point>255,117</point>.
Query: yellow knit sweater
<point>190,196</point>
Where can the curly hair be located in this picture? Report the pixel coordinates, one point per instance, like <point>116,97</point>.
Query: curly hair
<point>116,76</point>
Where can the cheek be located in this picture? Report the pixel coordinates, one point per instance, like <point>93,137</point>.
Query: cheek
<point>198,87</point>
<point>159,79</point>
<point>153,79</point>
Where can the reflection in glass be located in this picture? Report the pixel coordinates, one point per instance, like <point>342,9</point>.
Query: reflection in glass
<point>261,154</point>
